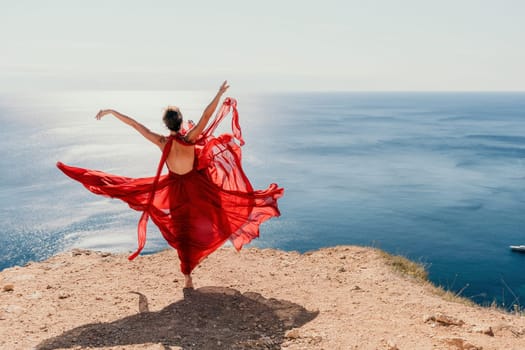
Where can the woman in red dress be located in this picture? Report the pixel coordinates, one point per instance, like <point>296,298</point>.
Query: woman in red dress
<point>204,199</point>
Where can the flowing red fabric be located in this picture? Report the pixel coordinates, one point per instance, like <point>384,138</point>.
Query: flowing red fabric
<point>198,211</point>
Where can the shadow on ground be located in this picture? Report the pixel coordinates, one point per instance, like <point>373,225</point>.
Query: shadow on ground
<point>207,318</point>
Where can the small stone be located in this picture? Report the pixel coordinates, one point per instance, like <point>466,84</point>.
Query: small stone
<point>14,309</point>
<point>484,330</point>
<point>63,296</point>
<point>267,341</point>
<point>391,345</point>
<point>459,343</point>
<point>341,269</point>
<point>9,288</point>
<point>445,320</point>
<point>315,340</point>
<point>35,295</point>
<point>489,332</point>
<point>105,254</point>
<point>292,334</point>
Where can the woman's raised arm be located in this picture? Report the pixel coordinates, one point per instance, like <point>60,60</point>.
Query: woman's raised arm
<point>194,133</point>
<point>157,139</point>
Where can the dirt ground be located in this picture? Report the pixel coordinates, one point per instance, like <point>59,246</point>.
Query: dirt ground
<point>336,298</point>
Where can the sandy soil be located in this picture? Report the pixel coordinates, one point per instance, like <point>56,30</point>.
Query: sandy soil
<point>335,298</point>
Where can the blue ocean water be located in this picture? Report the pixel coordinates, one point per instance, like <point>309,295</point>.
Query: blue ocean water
<point>437,177</point>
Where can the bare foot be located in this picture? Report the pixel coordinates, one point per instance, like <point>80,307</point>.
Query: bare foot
<point>188,282</point>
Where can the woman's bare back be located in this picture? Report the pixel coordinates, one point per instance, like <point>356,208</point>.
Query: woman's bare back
<point>181,158</point>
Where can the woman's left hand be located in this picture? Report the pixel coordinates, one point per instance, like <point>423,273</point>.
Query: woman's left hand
<point>224,87</point>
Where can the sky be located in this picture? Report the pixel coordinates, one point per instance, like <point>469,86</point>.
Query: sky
<point>403,45</point>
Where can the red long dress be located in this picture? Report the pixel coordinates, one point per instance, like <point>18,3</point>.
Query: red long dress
<point>198,211</point>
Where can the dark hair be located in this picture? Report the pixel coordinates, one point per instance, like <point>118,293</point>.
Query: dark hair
<point>173,119</point>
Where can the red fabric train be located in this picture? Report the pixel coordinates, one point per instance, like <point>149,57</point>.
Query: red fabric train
<point>198,211</point>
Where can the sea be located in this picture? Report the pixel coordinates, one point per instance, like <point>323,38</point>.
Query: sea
<point>436,177</point>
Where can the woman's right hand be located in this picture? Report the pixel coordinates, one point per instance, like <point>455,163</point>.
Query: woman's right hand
<point>102,113</point>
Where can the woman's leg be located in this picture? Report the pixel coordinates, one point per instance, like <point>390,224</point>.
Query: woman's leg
<point>188,282</point>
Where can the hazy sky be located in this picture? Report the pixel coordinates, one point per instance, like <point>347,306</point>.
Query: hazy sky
<point>263,45</point>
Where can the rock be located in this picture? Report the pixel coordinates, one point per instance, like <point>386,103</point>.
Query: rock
<point>341,269</point>
<point>9,287</point>
<point>292,334</point>
<point>507,329</point>
<point>63,296</point>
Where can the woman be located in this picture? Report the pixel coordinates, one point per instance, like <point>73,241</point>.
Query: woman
<point>204,199</point>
